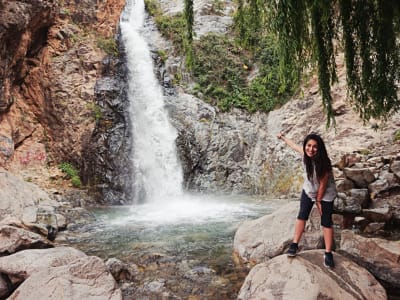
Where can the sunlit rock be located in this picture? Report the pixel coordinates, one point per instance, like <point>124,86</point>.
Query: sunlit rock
<point>305,277</point>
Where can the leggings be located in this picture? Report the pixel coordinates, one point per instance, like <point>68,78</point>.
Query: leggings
<point>306,205</point>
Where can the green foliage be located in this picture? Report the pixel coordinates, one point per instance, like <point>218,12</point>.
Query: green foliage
<point>152,7</point>
<point>372,55</point>
<point>173,28</point>
<point>108,45</point>
<point>308,31</point>
<point>96,110</point>
<point>189,18</point>
<point>162,54</point>
<point>396,136</point>
<point>71,173</point>
<point>222,68</point>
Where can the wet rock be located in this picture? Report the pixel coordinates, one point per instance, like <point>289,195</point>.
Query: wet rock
<point>121,271</point>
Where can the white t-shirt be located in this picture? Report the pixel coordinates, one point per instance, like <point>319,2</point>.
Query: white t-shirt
<point>311,187</point>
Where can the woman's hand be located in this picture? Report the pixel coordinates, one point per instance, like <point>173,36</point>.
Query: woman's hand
<point>279,135</point>
<point>319,206</point>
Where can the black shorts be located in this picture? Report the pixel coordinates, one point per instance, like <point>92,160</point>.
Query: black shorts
<point>306,205</point>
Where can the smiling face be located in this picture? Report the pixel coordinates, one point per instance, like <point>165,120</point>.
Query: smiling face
<point>311,148</point>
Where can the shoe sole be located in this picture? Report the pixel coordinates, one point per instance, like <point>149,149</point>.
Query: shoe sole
<point>291,255</point>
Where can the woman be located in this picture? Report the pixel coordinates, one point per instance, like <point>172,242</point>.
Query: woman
<point>319,187</point>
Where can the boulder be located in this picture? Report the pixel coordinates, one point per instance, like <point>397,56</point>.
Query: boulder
<point>84,278</point>
<point>58,273</point>
<point>22,199</point>
<point>381,257</point>
<point>305,277</point>
<point>28,262</point>
<point>352,201</point>
<point>261,239</point>
<point>13,239</point>
<point>360,176</point>
<point>381,214</point>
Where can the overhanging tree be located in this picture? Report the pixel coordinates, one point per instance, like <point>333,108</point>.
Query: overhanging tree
<point>314,30</point>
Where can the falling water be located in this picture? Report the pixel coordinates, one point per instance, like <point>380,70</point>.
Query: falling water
<point>158,174</point>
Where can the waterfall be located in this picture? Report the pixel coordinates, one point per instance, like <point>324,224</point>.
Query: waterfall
<point>157,171</point>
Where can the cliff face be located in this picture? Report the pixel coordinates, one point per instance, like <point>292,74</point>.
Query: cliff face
<point>49,63</point>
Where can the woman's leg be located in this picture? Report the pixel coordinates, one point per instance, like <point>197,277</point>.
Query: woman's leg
<point>298,230</point>
<point>306,205</point>
<point>328,238</point>
<point>326,222</point>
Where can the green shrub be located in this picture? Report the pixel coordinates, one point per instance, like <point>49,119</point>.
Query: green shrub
<point>71,173</point>
<point>108,45</point>
<point>396,136</point>
<point>221,70</point>
<point>152,7</point>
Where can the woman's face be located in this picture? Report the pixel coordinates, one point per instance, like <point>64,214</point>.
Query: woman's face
<point>311,148</point>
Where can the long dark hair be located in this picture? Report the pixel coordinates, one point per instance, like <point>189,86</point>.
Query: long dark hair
<point>320,162</point>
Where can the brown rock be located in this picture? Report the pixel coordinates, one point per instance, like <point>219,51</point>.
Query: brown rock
<point>13,239</point>
<point>381,257</point>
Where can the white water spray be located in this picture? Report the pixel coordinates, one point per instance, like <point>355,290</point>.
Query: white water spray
<point>158,173</point>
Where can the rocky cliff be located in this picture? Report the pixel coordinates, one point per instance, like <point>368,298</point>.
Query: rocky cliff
<point>51,56</point>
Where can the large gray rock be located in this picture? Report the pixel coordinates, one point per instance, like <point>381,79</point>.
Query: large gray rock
<point>84,278</point>
<point>261,239</point>
<point>381,257</point>
<point>58,273</point>
<point>305,277</point>
<point>27,262</point>
<point>22,199</point>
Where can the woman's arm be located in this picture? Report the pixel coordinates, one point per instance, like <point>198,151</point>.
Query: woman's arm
<point>290,143</point>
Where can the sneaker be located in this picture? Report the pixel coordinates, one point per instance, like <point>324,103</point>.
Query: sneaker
<point>328,260</point>
<point>292,250</point>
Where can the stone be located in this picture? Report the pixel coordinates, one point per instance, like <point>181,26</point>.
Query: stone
<point>374,227</point>
<point>13,239</point>
<point>395,168</point>
<point>269,236</point>
<point>121,271</point>
<point>305,277</point>
<point>351,202</point>
<point>83,278</point>
<point>360,176</point>
<point>382,214</point>
<point>381,257</point>
<point>344,185</point>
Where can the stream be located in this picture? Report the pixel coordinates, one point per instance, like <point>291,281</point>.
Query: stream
<point>181,248</point>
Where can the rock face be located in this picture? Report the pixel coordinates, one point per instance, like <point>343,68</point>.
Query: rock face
<point>305,277</point>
